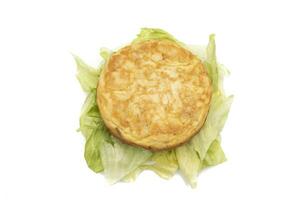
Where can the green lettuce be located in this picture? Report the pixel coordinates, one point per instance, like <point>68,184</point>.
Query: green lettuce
<point>163,163</point>
<point>214,154</point>
<point>189,163</point>
<point>90,116</point>
<point>87,76</point>
<point>154,34</point>
<point>213,125</point>
<point>92,150</point>
<point>119,161</point>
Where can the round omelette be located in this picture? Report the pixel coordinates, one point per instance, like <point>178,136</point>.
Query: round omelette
<point>154,94</point>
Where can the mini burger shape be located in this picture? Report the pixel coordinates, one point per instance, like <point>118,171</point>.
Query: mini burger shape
<point>156,104</point>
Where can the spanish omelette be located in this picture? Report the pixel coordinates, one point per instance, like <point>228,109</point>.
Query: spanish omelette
<point>154,94</point>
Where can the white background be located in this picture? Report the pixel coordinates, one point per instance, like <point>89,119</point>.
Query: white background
<point>41,154</point>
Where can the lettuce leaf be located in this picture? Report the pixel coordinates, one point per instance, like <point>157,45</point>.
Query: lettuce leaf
<point>132,176</point>
<point>153,34</point>
<point>216,72</point>
<point>86,75</point>
<point>163,163</point>
<point>213,125</point>
<point>92,151</point>
<point>93,128</point>
<point>214,154</point>
<point>105,53</point>
<point>120,159</point>
<point>189,163</point>
<point>90,116</point>
<point>220,104</point>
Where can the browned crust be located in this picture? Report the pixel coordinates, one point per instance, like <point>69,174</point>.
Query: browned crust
<point>124,140</point>
<point>114,123</point>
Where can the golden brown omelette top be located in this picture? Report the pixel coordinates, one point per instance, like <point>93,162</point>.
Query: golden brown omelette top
<point>154,94</point>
